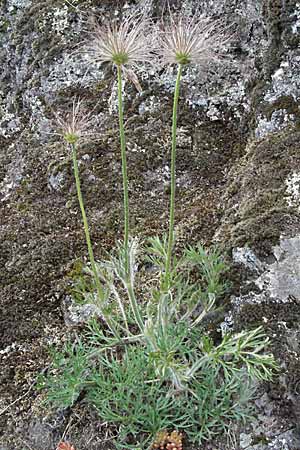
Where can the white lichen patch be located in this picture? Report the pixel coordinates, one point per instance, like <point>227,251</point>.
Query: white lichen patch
<point>69,70</point>
<point>9,122</point>
<point>246,257</point>
<point>56,18</point>
<point>293,190</point>
<point>184,138</point>
<point>227,324</point>
<point>11,4</point>
<point>55,181</point>
<point>133,147</point>
<point>14,173</point>
<point>157,179</point>
<point>279,120</point>
<point>279,280</point>
<point>34,103</point>
<point>150,105</point>
<point>60,19</point>
<point>285,80</point>
<point>296,16</point>
<point>75,314</point>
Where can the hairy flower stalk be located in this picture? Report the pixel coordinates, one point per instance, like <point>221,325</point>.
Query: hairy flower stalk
<point>123,46</point>
<point>173,179</point>
<point>183,42</point>
<point>73,128</point>
<point>124,168</point>
<point>85,221</point>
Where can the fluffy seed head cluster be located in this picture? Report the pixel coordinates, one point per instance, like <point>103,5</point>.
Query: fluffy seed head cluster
<point>125,44</point>
<point>191,40</point>
<point>75,124</point>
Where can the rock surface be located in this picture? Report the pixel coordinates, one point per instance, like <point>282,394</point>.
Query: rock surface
<point>238,184</point>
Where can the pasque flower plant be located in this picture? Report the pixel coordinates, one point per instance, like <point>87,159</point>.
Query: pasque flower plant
<point>157,345</point>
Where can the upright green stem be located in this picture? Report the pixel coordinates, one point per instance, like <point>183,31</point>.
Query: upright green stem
<point>124,167</point>
<point>85,222</point>
<point>173,180</point>
<point>100,291</point>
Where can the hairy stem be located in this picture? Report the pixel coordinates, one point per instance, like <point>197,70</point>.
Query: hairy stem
<point>100,291</point>
<point>135,307</point>
<point>124,167</point>
<point>85,223</point>
<point>168,267</point>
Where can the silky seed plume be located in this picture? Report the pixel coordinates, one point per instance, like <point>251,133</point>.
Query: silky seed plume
<point>124,44</point>
<point>75,125</point>
<point>191,41</point>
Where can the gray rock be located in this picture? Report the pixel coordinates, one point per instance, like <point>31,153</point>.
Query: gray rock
<point>245,440</point>
<point>277,281</point>
<point>248,259</point>
<point>75,314</point>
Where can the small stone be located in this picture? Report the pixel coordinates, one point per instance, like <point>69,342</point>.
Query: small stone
<point>245,440</point>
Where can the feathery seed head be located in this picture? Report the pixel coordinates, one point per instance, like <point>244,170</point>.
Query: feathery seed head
<point>75,124</point>
<point>191,41</point>
<point>122,45</point>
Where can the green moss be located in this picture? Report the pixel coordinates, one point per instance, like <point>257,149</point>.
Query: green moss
<point>260,439</point>
<point>23,207</point>
<point>55,167</point>
<point>100,86</point>
<point>76,270</point>
<point>292,40</point>
<point>257,211</point>
<point>4,25</point>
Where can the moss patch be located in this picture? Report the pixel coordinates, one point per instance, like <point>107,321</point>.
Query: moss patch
<point>256,210</point>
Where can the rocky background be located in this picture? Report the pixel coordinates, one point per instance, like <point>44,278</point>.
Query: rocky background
<point>238,185</point>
